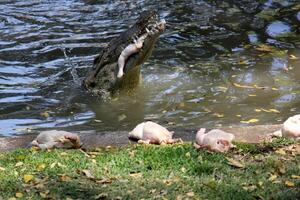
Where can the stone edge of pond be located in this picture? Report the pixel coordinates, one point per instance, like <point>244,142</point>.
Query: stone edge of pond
<point>90,139</point>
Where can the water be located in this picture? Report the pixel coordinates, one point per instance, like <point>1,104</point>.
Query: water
<point>219,63</point>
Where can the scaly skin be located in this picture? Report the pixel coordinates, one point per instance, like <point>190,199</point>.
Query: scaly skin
<point>105,77</point>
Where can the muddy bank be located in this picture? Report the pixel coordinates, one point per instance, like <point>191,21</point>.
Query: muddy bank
<point>250,134</point>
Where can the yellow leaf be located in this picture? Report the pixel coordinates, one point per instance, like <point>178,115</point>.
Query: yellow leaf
<point>183,169</point>
<point>2,169</point>
<point>257,110</point>
<point>275,89</point>
<point>295,177</point>
<point>252,95</point>
<point>53,165</point>
<point>45,114</point>
<point>136,175</point>
<point>18,164</point>
<point>234,163</point>
<point>242,86</point>
<point>218,115</point>
<point>272,178</point>
<point>12,198</point>
<point>289,183</point>
<point>280,151</point>
<point>19,195</point>
<point>264,48</point>
<point>270,110</point>
<point>239,115</point>
<point>206,110</point>
<point>293,57</point>
<point>259,87</point>
<point>28,177</point>
<point>20,157</point>
<point>223,89</point>
<point>250,121</point>
<point>274,111</point>
<point>64,177</point>
<point>41,167</point>
<point>188,154</point>
<point>63,153</point>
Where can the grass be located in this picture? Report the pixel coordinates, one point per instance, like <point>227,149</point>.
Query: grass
<point>266,171</point>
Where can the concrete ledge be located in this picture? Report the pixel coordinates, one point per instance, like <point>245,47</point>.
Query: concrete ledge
<point>91,139</point>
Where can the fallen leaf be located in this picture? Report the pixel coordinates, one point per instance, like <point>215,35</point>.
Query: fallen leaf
<point>234,163</point>
<point>63,153</point>
<point>289,183</point>
<point>243,86</point>
<point>264,48</point>
<point>183,169</point>
<point>293,57</point>
<point>188,154</point>
<point>190,194</point>
<point>250,188</point>
<point>43,195</point>
<point>64,177</point>
<point>53,165</point>
<point>250,121</point>
<point>280,151</point>
<point>27,178</point>
<point>2,169</point>
<point>104,181</point>
<point>88,174</point>
<point>122,117</point>
<point>273,177</point>
<point>18,164</point>
<point>275,89</point>
<point>270,110</point>
<point>136,175</point>
<point>295,177</point>
<point>12,198</point>
<point>101,196</point>
<point>19,195</point>
<point>45,114</point>
<point>41,167</point>
<point>20,157</point>
<point>218,115</point>
<point>274,110</point>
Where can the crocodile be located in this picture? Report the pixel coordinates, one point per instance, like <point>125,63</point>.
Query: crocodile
<point>118,64</point>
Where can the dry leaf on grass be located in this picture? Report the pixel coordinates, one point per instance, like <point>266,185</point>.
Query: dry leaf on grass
<point>27,178</point>
<point>88,174</point>
<point>289,183</point>
<point>234,163</point>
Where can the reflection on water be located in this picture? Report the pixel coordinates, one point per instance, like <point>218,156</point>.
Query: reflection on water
<point>218,63</point>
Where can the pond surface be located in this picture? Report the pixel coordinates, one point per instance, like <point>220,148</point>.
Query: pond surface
<point>219,63</point>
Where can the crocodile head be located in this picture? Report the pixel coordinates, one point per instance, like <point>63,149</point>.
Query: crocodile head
<point>102,78</point>
<point>151,27</point>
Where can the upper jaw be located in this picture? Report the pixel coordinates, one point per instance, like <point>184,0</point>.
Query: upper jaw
<point>151,25</point>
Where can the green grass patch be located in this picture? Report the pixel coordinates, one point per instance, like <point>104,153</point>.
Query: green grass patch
<point>153,172</point>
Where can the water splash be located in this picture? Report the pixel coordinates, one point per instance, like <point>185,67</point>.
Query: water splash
<point>73,67</point>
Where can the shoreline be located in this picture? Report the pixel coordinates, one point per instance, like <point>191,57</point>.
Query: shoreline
<point>91,140</point>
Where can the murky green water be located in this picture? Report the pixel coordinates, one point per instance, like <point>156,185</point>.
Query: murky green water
<point>218,63</point>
